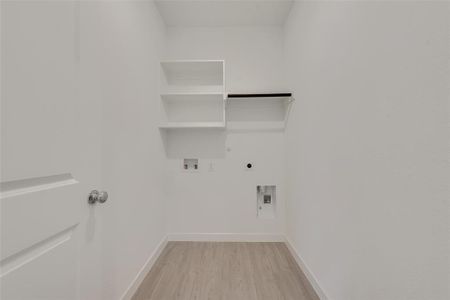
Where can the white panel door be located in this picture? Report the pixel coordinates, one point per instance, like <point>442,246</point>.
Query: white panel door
<point>49,155</point>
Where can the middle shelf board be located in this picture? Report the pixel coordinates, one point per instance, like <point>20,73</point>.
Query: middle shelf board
<point>192,96</point>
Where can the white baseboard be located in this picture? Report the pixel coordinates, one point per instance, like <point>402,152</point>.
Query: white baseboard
<point>312,279</point>
<point>132,288</point>
<point>226,237</point>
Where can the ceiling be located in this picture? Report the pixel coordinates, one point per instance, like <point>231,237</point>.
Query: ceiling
<point>224,12</point>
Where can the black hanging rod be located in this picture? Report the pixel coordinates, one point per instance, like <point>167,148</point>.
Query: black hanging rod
<point>266,95</point>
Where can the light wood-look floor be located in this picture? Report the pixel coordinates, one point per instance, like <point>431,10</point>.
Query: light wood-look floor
<point>225,271</point>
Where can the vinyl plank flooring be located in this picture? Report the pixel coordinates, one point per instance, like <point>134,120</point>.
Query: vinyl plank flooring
<point>225,271</point>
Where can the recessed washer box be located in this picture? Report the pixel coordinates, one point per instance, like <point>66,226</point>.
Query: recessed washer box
<point>190,164</point>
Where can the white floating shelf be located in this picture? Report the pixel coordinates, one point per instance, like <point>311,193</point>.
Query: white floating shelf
<point>192,94</point>
<point>192,125</point>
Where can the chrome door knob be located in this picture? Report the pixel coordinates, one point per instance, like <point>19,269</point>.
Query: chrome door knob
<point>96,196</point>
<point>102,197</point>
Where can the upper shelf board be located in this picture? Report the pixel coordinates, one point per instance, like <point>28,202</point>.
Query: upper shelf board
<point>193,72</point>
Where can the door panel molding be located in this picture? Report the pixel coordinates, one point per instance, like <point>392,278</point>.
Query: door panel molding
<point>32,214</point>
<point>23,186</point>
<point>33,252</point>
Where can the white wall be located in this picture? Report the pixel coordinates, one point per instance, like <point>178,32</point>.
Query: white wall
<point>367,147</point>
<point>121,43</point>
<point>224,200</point>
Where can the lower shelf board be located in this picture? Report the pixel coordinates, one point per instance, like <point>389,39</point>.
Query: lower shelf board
<point>256,126</point>
<point>234,126</point>
<point>192,125</point>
